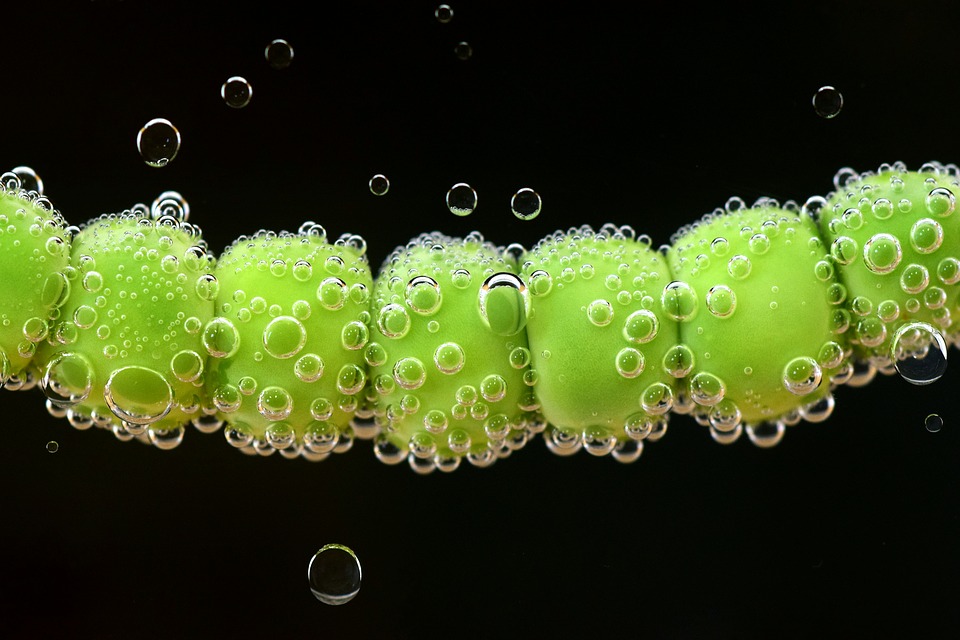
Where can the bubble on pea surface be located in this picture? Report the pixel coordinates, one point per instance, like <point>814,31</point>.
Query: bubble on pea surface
<point>919,353</point>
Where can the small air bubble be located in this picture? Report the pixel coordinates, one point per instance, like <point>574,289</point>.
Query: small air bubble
<point>53,446</point>
<point>334,574</point>
<point>158,142</point>
<point>463,51</point>
<point>443,14</point>
<point>933,423</point>
<point>279,54</point>
<point>461,199</point>
<point>827,102</point>
<point>236,92</point>
<point>526,204</point>
<point>379,185</point>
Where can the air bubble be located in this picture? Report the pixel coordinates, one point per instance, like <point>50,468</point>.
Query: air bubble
<point>334,574</point>
<point>53,446</point>
<point>186,365</point>
<point>641,327</point>
<point>158,142</point>
<point>739,267</point>
<point>138,395</point>
<point>933,423</point>
<point>409,373</point>
<point>274,403</point>
<point>67,379</point>
<point>919,353</point>
<point>463,51</point>
<point>926,235</point>
<point>461,199</point>
<point>393,321</point>
<point>706,389</point>
<point>802,376</point>
<point>600,312</point>
<point>443,14</point>
<point>941,202</point>
<point>332,293</point>
<point>827,102</point>
<point>379,185</point>
<point>679,301</point>
<point>236,92</point>
<point>882,253</point>
<point>449,358</point>
<point>629,362</point>
<point>423,295</point>
<point>220,338</point>
<point>504,304</point>
<point>284,337</point>
<point>721,301</point>
<point>526,204</point>
<point>29,180</point>
<point>279,54</point>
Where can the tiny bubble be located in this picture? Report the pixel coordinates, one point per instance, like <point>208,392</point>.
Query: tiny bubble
<point>279,54</point>
<point>379,185</point>
<point>933,423</point>
<point>236,92</point>
<point>443,14</point>
<point>53,446</point>
<point>463,51</point>
<point>827,102</point>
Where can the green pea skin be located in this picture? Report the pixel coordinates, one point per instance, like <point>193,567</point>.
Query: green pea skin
<point>598,337</point>
<point>124,351</point>
<point>286,349</point>
<point>762,332</point>
<point>450,368</point>
<point>34,261</point>
<point>894,236</point>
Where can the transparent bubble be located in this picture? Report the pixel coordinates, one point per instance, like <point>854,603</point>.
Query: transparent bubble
<point>461,199</point>
<point>236,92</point>
<point>827,102</point>
<point>463,51</point>
<point>504,303</point>
<point>802,375</point>
<point>919,353</point>
<point>882,253</point>
<point>279,54</point>
<point>29,180</point>
<point>334,574</point>
<point>443,14</point>
<point>158,142</point>
<point>138,395</point>
<point>526,204</point>
<point>53,446</point>
<point>379,185</point>
<point>933,423</point>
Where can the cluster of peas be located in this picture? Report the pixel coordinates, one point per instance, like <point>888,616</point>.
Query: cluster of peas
<point>460,349</point>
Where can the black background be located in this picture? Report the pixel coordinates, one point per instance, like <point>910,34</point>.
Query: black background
<point>649,116</point>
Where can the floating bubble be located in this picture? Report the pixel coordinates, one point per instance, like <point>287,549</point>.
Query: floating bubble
<point>53,446</point>
<point>526,204</point>
<point>236,92</point>
<point>443,14</point>
<point>379,185</point>
<point>461,199</point>
<point>463,51</point>
<point>919,353</point>
<point>279,54</point>
<point>158,142</point>
<point>334,574</point>
<point>933,423</point>
<point>827,102</point>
